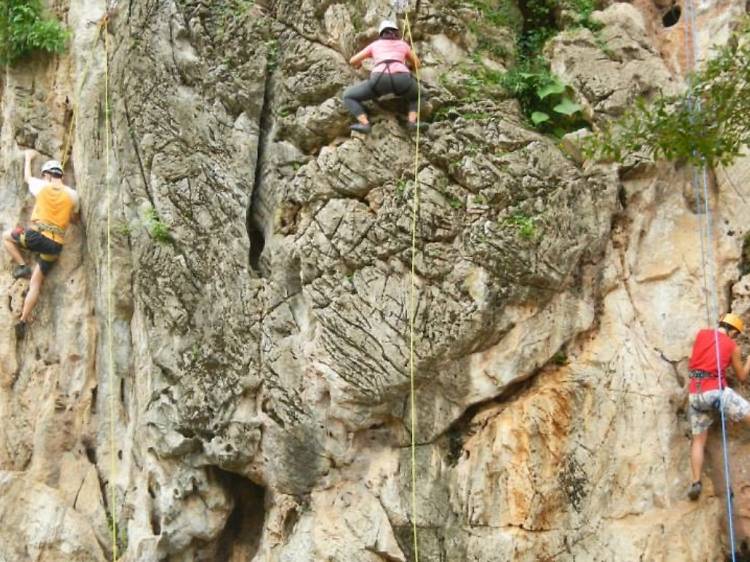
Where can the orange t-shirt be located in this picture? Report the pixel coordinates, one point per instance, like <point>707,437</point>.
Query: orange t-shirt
<point>55,206</point>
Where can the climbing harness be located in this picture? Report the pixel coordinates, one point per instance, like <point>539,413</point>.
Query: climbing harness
<point>373,82</point>
<point>51,228</point>
<point>709,278</point>
<point>700,376</point>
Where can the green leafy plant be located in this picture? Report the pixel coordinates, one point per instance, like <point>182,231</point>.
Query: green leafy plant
<point>158,230</point>
<point>707,125</point>
<point>498,13</point>
<point>24,30</point>
<point>544,98</point>
<point>581,11</point>
<point>525,226</point>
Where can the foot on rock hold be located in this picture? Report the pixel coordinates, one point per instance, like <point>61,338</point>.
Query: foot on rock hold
<point>20,329</point>
<point>22,271</point>
<point>361,128</point>
<point>414,126</point>
<point>695,490</point>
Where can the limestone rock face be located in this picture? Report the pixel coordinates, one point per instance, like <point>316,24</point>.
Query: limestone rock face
<point>220,362</point>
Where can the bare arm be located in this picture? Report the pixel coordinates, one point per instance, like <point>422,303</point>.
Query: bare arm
<point>357,59</point>
<point>413,60</point>
<point>28,156</point>
<point>741,371</point>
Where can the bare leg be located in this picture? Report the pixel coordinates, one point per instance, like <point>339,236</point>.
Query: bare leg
<point>412,117</point>
<point>362,118</point>
<point>12,248</point>
<point>697,449</point>
<point>35,286</point>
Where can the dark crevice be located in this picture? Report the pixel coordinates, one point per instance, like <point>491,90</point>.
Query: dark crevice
<point>137,151</point>
<point>460,429</point>
<point>290,521</point>
<point>93,399</point>
<point>255,230</point>
<point>745,259</point>
<point>741,555</point>
<point>241,536</point>
<point>155,522</point>
<point>672,16</point>
<point>88,447</point>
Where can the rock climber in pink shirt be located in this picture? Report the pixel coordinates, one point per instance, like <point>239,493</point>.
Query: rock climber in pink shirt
<point>389,75</point>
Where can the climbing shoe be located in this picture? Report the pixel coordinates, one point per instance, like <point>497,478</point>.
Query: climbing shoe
<point>695,490</point>
<point>22,271</point>
<point>20,330</point>
<point>360,128</point>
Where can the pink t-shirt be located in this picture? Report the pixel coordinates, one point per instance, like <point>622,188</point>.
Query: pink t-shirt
<point>388,49</point>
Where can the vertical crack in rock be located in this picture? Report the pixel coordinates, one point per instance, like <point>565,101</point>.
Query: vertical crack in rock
<point>255,228</point>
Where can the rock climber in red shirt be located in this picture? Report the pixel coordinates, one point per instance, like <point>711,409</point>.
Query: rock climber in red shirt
<point>708,387</point>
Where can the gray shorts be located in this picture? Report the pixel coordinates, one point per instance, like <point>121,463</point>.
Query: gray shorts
<point>703,408</point>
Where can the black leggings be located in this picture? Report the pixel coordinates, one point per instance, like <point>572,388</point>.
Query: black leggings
<point>380,84</point>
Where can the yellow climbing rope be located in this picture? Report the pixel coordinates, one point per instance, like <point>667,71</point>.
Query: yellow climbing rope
<point>102,26</point>
<point>412,304</point>
<point>110,355</point>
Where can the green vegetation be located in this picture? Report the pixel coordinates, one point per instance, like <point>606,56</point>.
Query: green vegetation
<point>707,125</point>
<point>560,358</point>
<point>122,228</point>
<point>158,230</point>
<point>544,98</point>
<point>272,53</point>
<point>546,101</point>
<point>525,226</point>
<point>401,186</point>
<point>455,202</point>
<point>499,13</point>
<point>24,30</point>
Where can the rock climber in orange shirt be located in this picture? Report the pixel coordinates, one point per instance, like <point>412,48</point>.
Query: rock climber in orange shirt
<point>55,207</point>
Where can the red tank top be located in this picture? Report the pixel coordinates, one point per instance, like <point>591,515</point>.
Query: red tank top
<point>703,358</point>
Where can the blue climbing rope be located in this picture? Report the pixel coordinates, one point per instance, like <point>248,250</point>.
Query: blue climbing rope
<point>709,278</point>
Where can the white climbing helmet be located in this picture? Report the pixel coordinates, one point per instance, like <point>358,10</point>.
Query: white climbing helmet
<point>386,24</point>
<point>52,167</point>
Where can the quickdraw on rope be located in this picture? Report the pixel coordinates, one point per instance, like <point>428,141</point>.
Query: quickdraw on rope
<point>709,277</point>
<point>412,293</point>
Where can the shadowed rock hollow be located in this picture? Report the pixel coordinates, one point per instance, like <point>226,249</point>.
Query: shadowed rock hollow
<point>260,281</point>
